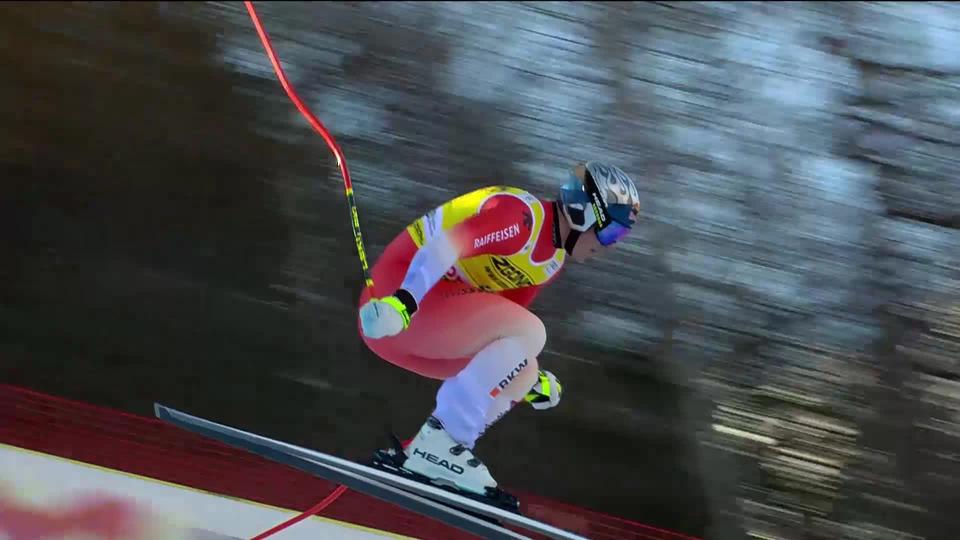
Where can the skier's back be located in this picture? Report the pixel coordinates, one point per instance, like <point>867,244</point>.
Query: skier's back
<point>459,281</point>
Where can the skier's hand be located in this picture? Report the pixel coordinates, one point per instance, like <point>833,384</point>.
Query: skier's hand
<point>388,316</point>
<point>546,393</point>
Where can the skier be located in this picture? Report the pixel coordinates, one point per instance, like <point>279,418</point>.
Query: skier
<point>460,279</point>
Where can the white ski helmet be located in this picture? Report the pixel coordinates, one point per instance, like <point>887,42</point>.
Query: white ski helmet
<point>605,200</point>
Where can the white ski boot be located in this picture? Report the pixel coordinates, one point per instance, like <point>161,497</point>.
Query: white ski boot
<point>435,455</point>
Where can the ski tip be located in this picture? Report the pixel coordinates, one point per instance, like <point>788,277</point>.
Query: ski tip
<point>161,411</point>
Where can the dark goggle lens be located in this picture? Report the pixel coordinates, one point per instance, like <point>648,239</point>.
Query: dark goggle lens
<point>612,233</point>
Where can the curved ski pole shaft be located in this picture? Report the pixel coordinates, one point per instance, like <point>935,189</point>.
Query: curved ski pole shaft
<point>320,129</point>
<point>310,512</point>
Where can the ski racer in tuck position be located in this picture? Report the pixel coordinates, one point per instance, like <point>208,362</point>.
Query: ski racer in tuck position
<point>460,279</point>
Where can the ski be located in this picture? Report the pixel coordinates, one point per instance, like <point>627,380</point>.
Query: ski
<point>451,508</point>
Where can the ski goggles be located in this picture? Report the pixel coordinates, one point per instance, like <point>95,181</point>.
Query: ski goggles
<point>610,222</point>
<point>612,232</point>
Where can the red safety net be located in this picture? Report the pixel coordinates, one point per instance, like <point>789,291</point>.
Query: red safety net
<point>150,448</point>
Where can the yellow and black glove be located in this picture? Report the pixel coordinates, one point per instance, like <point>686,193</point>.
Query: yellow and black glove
<point>546,393</point>
<point>387,316</point>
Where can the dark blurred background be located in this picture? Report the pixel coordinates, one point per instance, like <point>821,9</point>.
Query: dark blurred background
<point>773,354</point>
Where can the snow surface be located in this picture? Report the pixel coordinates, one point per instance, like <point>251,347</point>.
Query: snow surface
<point>43,479</point>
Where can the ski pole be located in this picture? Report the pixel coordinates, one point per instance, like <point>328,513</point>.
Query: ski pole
<point>319,128</point>
<point>354,221</point>
<point>308,513</point>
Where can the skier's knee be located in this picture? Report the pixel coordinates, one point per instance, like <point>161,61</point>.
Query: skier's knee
<point>534,335</point>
